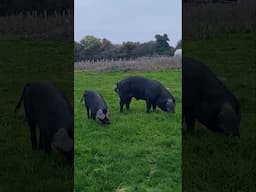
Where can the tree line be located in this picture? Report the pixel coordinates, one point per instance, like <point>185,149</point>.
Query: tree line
<point>14,7</point>
<point>93,48</point>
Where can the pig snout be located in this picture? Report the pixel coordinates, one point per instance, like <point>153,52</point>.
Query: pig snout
<point>170,106</point>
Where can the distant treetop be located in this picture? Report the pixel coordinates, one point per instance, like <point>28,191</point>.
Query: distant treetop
<point>93,48</point>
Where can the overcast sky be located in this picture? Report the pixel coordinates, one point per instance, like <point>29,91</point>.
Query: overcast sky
<point>128,20</point>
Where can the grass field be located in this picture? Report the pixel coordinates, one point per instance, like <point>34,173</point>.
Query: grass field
<point>137,151</point>
<point>213,162</point>
<point>22,169</point>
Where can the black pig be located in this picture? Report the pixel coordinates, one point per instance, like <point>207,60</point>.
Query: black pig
<point>152,91</point>
<point>207,99</point>
<point>95,104</point>
<point>47,108</point>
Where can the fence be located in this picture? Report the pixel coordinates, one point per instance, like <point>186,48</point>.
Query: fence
<point>139,64</point>
<point>31,25</point>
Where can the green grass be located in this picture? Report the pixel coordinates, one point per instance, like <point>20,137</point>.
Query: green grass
<point>21,168</point>
<point>137,151</point>
<point>213,162</point>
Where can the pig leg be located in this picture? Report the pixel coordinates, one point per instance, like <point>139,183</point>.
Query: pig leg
<point>48,147</point>
<point>93,116</point>
<point>121,105</point>
<point>190,120</point>
<point>88,112</point>
<point>33,139</point>
<point>40,141</point>
<point>154,106</point>
<point>128,101</point>
<point>41,137</point>
<point>46,142</point>
<point>182,116</point>
<point>148,105</point>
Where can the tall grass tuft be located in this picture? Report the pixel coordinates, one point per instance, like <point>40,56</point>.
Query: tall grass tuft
<point>143,64</point>
<point>209,20</point>
<point>36,26</point>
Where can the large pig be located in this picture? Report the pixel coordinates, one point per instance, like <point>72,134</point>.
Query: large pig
<point>152,91</point>
<point>207,99</point>
<point>47,108</point>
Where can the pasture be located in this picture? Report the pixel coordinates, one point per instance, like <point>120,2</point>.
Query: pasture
<point>213,162</point>
<point>137,151</point>
<point>26,61</point>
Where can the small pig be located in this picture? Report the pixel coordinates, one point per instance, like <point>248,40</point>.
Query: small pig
<point>96,106</point>
<point>205,98</point>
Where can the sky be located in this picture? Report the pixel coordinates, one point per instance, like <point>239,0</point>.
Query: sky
<point>128,20</point>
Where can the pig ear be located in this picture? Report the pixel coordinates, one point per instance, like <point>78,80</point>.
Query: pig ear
<point>100,114</point>
<point>222,79</point>
<point>62,141</point>
<point>227,112</point>
<point>169,101</point>
<point>226,107</point>
<point>107,115</point>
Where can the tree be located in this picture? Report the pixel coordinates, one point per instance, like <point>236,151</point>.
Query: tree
<point>107,49</point>
<point>92,46</point>
<point>105,44</point>
<point>145,49</point>
<point>162,45</point>
<point>90,42</point>
<point>78,52</point>
<point>127,49</point>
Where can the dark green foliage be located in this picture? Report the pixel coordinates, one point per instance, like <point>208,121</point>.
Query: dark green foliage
<point>145,49</point>
<point>162,46</point>
<point>92,48</point>
<point>128,48</point>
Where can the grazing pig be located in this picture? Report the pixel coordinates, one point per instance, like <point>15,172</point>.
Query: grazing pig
<point>48,109</point>
<point>95,104</point>
<point>205,98</point>
<point>152,91</point>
